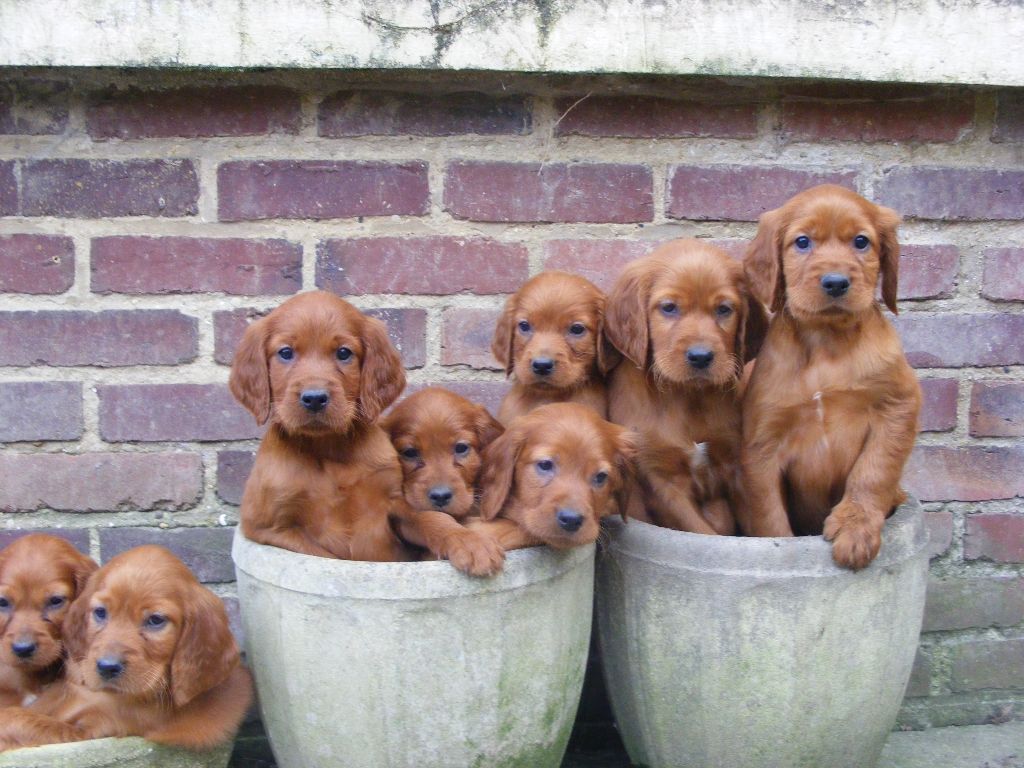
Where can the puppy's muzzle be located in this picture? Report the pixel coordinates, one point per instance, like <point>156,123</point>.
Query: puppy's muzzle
<point>542,366</point>
<point>569,520</point>
<point>835,284</point>
<point>109,667</point>
<point>699,357</point>
<point>440,496</point>
<point>314,400</point>
<point>23,649</point>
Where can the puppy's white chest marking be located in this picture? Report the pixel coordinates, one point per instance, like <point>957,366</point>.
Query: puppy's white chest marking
<point>29,700</point>
<point>700,454</point>
<point>819,408</point>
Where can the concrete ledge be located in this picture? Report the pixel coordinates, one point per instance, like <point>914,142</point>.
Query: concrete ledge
<point>976,42</point>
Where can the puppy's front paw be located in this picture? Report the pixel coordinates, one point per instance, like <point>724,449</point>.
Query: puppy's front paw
<point>475,554</point>
<point>855,534</point>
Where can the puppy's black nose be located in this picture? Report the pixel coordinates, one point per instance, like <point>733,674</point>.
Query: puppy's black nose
<point>699,357</point>
<point>569,520</point>
<point>542,366</point>
<point>109,668</point>
<point>23,649</point>
<point>314,399</point>
<point>835,285</point>
<point>440,496</point>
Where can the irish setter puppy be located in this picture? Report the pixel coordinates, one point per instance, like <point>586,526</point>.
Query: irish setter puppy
<point>326,480</point>
<point>439,437</point>
<point>150,654</point>
<point>686,324</point>
<point>552,476</point>
<point>831,410</point>
<point>40,576</point>
<point>550,338</point>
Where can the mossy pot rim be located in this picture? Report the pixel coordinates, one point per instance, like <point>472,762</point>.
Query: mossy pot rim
<point>111,752</point>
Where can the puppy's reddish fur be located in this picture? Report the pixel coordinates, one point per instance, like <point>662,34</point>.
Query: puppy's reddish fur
<point>558,316</point>
<point>831,411</point>
<point>181,683</point>
<point>439,437</point>
<point>40,576</point>
<point>685,296</point>
<point>590,459</point>
<point>323,483</point>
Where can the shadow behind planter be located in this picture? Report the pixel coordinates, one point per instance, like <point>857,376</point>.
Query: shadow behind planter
<point>396,665</point>
<point>757,653</point>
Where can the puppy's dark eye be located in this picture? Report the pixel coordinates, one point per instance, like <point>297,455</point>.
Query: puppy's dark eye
<point>344,353</point>
<point>99,613</point>
<point>861,242</point>
<point>155,620</point>
<point>4,603</point>
<point>577,329</point>
<point>461,449</point>
<point>286,353</point>
<point>669,308</point>
<point>55,601</point>
<point>410,453</point>
<point>524,327</point>
<point>723,310</point>
<point>545,465</point>
<point>600,479</point>
<point>802,243</point>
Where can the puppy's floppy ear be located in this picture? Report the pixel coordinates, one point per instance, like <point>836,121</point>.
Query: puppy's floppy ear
<point>627,448</point>
<point>487,428</point>
<point>498,473</point>
<point>250,375</point>
<point>75,627</point>
<point>504,333</point>
<point>382,377</point>
<point>607,355</point>
<point>206,652</point>
<point>753,328</point>
<point>763,261</point>
<point>887,220</point>
<point>82,567</point>
<point>626,312</point>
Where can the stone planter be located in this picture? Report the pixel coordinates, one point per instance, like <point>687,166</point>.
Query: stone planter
<point>396,665</point>
<point>757,653</point>
<point>114,753</point>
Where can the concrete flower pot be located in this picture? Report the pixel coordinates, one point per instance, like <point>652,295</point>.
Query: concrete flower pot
<point>757,653</point>
<point>396,665</point>
<point>114,753</point>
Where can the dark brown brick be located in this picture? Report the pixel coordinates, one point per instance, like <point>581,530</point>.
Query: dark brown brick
<point>964,194</point>
<point>237,266</point>
<point>940,532</point>
<point>33,107</point>
<point>938,411</point>
<point>549,192</point>
<point>76,537</point>
<point>43,264</point>
<point>154,412</point>
<point>600,261</point>
<point>966,473</point>
<point>106,339</point>
<point>233,468</point>
<point>995,601</point>
<point>980,664</point>
<point>740,192</point>
<point>1003,279</point>
<point>997,409</point>
<point>487,393</point>
<point>1009,117</point>
<point>99,482</point>
<point>8,189</point>
<point>936,118</point>
<point>99,188</point>
<point>40,410</point>
<point>928,271</point>
<point>995,537</point>
<point>651,117</point>
<point>388,113</point>
<point>427,265</point>
<point>206,551</point>
<point>466,338</point>
<point>193,113</point>
<point>321,189</point>
<point>955,341</point>
<point>407,329</point>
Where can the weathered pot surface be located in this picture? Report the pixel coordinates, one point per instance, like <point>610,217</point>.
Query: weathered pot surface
<point>414,664</point>
<point>130,752</point>
<point>757,653</point>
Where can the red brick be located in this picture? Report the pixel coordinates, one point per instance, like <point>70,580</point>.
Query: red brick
<point>76,537</point>
<point>980,664</point>
<point>193,113</point>
<point>938,411</point>
<point>206,551</point>
<point>233,468</point>
<point>968,194</point>
<point>99,482</point>
<point>236,266</point>
<point>106,339</point>
<point>40,410</point>
<point>1009,117</point>
<point>995,601</point>
<point>466,338</point>
<point>1003,278</point>
<point>954,341</point>
<point>967,473</point>
<point>549,192</point>
<point>940,532</point>
<point>937,118</point>
<point>154,412</point>
<point>928,271</point>
<point>8,189</point>
<point>995,537</point>
<point>407,329</point>
<point>487,393</point>
<point>33,107</point>
<point>740,192</point>
<point>651,117</point>
<point>36,264</point>
<point>430,265</point>
<point>920,675</point>
<point>388,113</point>
<point>321,189</point>
<point>101,188</point>
<point>840,90</point>
<point>997,409</point>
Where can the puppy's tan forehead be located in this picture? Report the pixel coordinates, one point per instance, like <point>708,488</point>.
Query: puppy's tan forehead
<point>557,303</point>
<point>697,278</point>
<point>841,219</point>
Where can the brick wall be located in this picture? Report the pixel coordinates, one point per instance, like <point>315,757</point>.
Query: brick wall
<point>145,218</point>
